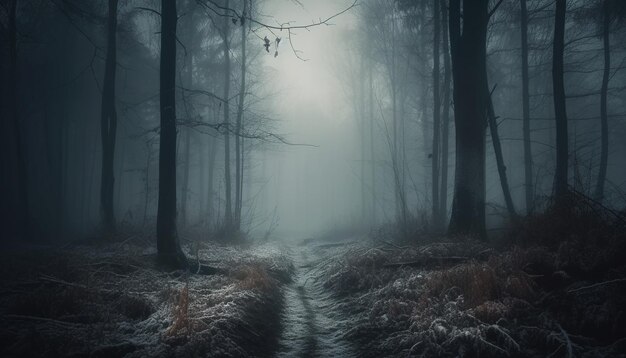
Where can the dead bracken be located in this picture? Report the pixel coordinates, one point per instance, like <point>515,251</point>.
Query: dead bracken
<point>119,304</point>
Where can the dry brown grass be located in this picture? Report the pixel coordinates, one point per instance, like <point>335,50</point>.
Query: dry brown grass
<point>477,281</point>
<point>491,311</point>
<point>181,323</point>
<point>254,277</point>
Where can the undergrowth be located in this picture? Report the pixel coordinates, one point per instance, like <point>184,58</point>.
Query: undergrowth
<point>112,301</point>
<point>559,287</point>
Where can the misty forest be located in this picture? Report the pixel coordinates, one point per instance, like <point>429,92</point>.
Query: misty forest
<point>313,178</point>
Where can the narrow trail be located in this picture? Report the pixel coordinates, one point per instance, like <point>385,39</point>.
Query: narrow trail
<point>310,327</point>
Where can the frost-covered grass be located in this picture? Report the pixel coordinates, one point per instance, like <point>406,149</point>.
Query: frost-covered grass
<point>464,299</point>
<point>110,300</point>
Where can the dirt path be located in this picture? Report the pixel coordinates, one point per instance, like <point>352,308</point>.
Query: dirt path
<point>311,328</point>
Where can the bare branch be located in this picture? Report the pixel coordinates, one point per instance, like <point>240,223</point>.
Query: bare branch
<point>148,10</point>
<point>224,128</point>
<point>495,8</point>
<point>230,12</point>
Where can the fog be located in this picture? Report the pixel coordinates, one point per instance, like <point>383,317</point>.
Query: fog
<point>312,178</point>
<point>312,183</point>
<point>335,131</point>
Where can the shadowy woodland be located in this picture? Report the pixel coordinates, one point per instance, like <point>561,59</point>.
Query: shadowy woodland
<point>456,188</point>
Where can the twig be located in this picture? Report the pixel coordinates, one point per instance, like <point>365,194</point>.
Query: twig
<point>394,245</point>
<point>335,244</point>
<point>41,319</point>
<point>587,198</point>
<point>568,343</point>
<point>61,282</point>
<point>495,8</point>
<point>597,285</point>
<point>428,260</point>
<point>499,350</point>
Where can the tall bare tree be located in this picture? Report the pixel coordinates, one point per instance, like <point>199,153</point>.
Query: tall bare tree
<point>15,198</point>
<point>190,30</point>
<point>497,149</point>
<point>168,246</point>
<point>560,111</point>
<point>469,71</point>
<point>604,121</point>
<point>108,123</point>
<point>445,116</point>
<point>436,206</point>
<point>528,158</point>
<point>228,215</point>
<point>239,123</point>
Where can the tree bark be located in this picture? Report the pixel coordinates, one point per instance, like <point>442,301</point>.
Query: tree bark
<point>15,185</point>
<point>445,118</point>
<point>560,112</point>
<point>528,157</point>
<point>604,123</point>
<point>238,125</point>
<point>185,187</point>
<point>108,124</point>
<point>147,184</point>
<point>228,215</point>
<point>188,82</point>
<point>211,177</point>
<point>436,207</point>
<point>363,129</point>
<point>372,147</point>
<point>394,106</point>
<point>169,251</point>
<point>470,81</point>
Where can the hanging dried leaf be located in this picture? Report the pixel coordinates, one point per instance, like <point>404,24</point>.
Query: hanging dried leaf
<point>266,44</point>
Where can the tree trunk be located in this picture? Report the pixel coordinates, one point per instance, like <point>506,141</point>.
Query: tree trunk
<point>185,186</point>
<point>604,123</point>
<point>147,184</point>
<point>560,179</point>
<point>363,130</point>
<point>497,148</point>
<point>445,131</point>
<point>528,157</point>
<point>394,106</point>
<point>15,200</point>
<point>372,147</point>
<point>170,253</point>
<point>108,124</point>
<point>188,82</point>
<point>240,184</point>
<point>240,106</point>
<point>436,207</point>
<point>470,81</point>
<point>211,177</point>
<point>228,215</point>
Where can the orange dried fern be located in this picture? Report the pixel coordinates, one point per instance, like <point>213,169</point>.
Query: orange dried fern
<point>181,324</point>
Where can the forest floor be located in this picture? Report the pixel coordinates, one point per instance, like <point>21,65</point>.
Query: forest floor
<point>345,296</point>
<point>110,300</point>
<point>450,299</point>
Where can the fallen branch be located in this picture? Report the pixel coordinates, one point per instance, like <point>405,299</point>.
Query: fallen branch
<point>335,244</point>
<point>394,245</point>
<point>449,260</point>
<point>201,269</point>
<point>41,319</point>
<point>71,284</point>
<point>568,343</point>
<point>618,280</point>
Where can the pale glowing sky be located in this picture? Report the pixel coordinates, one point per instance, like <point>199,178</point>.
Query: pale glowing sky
<point>313,188</point>
<point>304,83</point>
